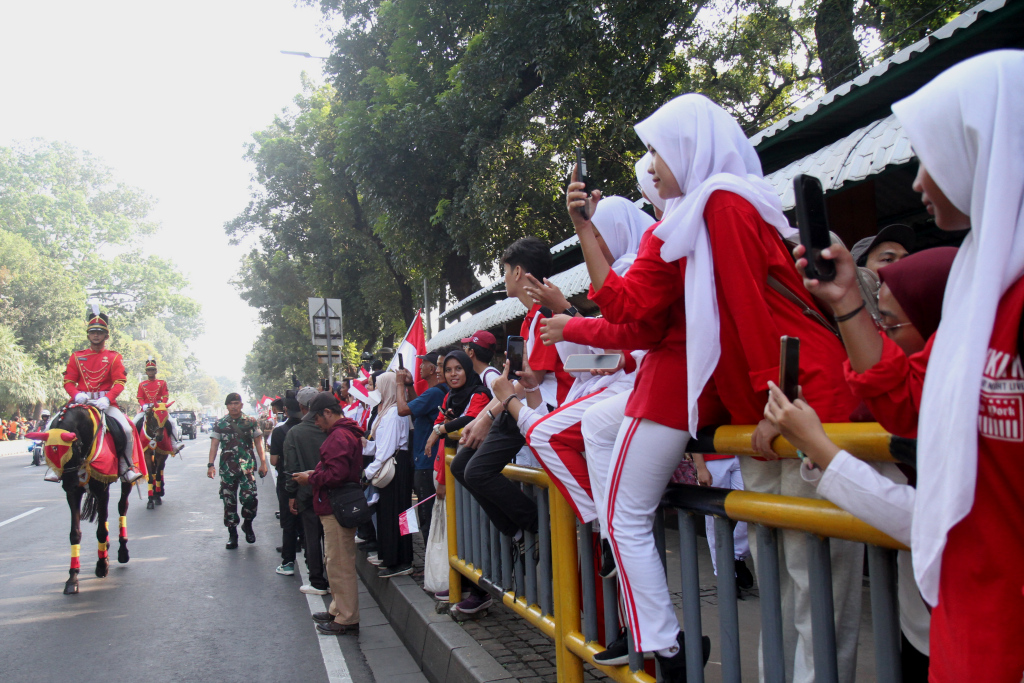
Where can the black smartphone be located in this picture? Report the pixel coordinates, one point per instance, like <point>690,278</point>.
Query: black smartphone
<point>584,177</point>
<point>514,353</point>
<point>789,367</point>
<point>401,362</point>
<point>812,221</point>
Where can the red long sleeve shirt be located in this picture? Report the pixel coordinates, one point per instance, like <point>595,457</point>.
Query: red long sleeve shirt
<point>892,387</point>
<point>95,372</point>
<point>746,250</point>
<point>152,391</point>
<point>341,461</point>
<point>649,295</point>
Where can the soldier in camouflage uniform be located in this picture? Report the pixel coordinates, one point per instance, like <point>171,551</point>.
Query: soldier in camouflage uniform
<point>237,434</point>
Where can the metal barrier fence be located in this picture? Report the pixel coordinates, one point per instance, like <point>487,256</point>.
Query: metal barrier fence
<point>545,585</point>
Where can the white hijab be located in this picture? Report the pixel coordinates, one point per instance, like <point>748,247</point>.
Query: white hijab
<point>646,181</point>
<point>967,128</point>
<point>706,151</point>
<point>621,225</point>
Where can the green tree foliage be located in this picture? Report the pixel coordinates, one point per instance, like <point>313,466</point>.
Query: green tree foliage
<point>22,380</point>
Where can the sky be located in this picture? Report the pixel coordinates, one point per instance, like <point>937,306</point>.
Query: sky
<point>167,95</point>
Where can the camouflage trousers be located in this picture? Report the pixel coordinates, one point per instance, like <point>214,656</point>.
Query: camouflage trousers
<point>238,487</point>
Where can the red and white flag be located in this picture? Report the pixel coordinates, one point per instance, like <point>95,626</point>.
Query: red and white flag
<point>408,523</point>
<point>414,344</point>
<point>357,389</point>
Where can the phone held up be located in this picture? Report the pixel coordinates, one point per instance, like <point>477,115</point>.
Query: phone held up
<point>789,367</point>
<point>401,362</point>
<point>514,353</point>
<point>583,176</point>
<point>812,221</point>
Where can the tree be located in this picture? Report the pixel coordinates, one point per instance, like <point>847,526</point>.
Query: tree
<point>22,381</point>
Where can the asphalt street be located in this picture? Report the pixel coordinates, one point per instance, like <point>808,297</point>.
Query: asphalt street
<point>182,609</point>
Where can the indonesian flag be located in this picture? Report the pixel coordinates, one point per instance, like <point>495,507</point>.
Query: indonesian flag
<point>364,372</point>
<point>408,523</point>
<point>414,344</point>
<point>265,401</point>
<point>357,388</point>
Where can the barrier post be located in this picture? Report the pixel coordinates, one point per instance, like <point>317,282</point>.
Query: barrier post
<point>454,577</point>
<point>566,587</point>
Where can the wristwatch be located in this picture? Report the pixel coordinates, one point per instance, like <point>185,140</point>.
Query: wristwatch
<point>437,430</point>
<point>571,311</point>
<point>211,465</point>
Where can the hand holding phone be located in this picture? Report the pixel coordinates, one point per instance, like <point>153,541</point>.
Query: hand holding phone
<point>514,351</point>
<point>401,362</point>
<point>812,221</point>
<point>789,367</point>
<point>582,176</point>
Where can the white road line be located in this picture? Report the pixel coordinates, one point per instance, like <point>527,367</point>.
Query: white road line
<point>330,649</point>
<point>17,517</point>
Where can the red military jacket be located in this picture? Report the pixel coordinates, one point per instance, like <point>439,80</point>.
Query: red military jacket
<point>95,372</point>
<point>152,391</point>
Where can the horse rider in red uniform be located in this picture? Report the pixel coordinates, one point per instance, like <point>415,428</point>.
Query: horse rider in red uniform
<point>151,391</point>
<point>96,376</point>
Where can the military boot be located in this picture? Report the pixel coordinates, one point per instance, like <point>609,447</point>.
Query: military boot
<point>232,538</point>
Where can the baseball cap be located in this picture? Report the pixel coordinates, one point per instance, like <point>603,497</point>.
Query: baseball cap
<point>305,395</point>
<point>431,357</point>
<point>232,397</point>
<point>481,338</point>
<point>897,232</point>
<point>322,400</point>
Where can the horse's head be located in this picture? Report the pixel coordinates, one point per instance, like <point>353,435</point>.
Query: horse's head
<point>160,412</point>
<point>69,437</point>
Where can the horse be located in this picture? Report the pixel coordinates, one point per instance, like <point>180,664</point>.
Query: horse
<point>74,428</point>
<point>152,427</point>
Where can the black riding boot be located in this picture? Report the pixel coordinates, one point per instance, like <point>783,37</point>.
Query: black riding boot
<point>232,538</point>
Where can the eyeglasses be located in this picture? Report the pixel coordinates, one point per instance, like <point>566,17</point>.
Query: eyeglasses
<point>889,328</point>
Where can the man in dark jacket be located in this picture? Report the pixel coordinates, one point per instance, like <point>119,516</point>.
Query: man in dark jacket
<point>302,452</point>
<point>341,462</point>
<point>290,524</point>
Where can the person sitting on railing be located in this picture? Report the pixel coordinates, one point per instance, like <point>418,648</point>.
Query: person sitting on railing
<point>963,521</point>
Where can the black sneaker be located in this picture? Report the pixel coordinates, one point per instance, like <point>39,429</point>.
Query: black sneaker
<point>744,579</point>
<point>250,535</point>
<point>673,669</point>
<point>398,570</point>
<point>608,569</point>
<point>617,652</point>
<point>323,617</point>
<point>474,603</point>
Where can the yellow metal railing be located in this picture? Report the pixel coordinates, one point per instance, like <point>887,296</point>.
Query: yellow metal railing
<point>866,441</point>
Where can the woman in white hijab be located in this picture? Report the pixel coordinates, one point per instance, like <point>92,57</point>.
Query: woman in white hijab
<point>723,230</point>
<point>967,129</point>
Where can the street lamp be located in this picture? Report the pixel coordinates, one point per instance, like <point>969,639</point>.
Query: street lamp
<point>301,54</point>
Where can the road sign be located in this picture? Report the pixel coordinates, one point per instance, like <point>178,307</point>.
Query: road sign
<point>321,356</point>
<point>320,311</point>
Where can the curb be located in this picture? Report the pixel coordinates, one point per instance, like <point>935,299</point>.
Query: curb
<point>441,648</point>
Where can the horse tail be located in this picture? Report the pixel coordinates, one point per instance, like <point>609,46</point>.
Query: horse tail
<point>90,508</point>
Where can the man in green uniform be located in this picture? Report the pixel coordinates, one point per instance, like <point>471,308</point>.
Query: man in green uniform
<point>237,435</point>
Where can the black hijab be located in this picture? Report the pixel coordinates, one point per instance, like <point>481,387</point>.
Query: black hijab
<point>458,399</point>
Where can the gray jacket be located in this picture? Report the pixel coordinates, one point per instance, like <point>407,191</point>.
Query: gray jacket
<point>301,453</point>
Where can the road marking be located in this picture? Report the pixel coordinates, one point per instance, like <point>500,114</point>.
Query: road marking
<point>17,517</point>
<point>330,648</point>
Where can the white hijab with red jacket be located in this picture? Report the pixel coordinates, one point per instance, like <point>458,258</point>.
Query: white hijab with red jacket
<point>967,128</point>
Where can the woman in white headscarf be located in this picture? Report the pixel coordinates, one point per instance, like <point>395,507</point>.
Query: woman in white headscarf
<point>722,235</point>
<point>389,441</point>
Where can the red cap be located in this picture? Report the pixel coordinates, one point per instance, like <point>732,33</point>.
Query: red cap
<point>481,338</point>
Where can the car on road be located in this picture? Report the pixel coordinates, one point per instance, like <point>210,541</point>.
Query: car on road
<point>186,420</point>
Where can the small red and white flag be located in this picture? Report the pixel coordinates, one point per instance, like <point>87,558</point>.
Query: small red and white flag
<point>357,388</point>
<point>364,372</point>
<point>414,344</point>
<point>408,523</point>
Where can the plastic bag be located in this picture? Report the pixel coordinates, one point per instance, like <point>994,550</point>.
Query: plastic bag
<point>435,559</point>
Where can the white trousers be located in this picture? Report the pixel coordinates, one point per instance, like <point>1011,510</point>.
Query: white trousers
<point>645,456</point>
<point>782,477</point>
<point>600,426</point>
<point>725,474</point>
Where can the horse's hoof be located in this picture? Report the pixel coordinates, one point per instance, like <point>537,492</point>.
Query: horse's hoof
<point>71,588</point>
<point>122,553</point>
<point>159,500</point>
<point>149,505</point>
<point>102,567</point>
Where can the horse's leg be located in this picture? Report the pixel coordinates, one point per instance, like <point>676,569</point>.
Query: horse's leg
<point>74,493</point>
<point>150,456</point>
<point>102,493</point>
<point>122,520</point>
<point>161,461</point>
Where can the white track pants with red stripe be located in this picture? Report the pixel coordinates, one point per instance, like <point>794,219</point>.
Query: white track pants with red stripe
<point>556,440</point>
<point>600,427</point>
<point>646,454</point>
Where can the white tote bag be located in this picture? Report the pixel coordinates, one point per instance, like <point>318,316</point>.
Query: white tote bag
<point>435,560</point>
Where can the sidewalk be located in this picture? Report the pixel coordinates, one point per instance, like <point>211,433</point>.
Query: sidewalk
<point>525,654</point>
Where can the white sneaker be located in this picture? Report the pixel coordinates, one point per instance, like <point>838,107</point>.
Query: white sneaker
<point>308,589</point>
<point>286,569</point>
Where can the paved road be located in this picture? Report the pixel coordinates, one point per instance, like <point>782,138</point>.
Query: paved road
<point>183,608</point>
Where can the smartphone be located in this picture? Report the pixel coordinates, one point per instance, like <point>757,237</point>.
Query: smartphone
<point>544,311</point>
<point>514,351</point>
<point>789,367</point>
<point>812,221</point>
<point>584,177</point>
<point>401,362</point>
<point>579,362</point>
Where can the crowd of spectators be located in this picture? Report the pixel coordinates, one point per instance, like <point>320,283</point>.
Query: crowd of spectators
<point>693,303</point>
